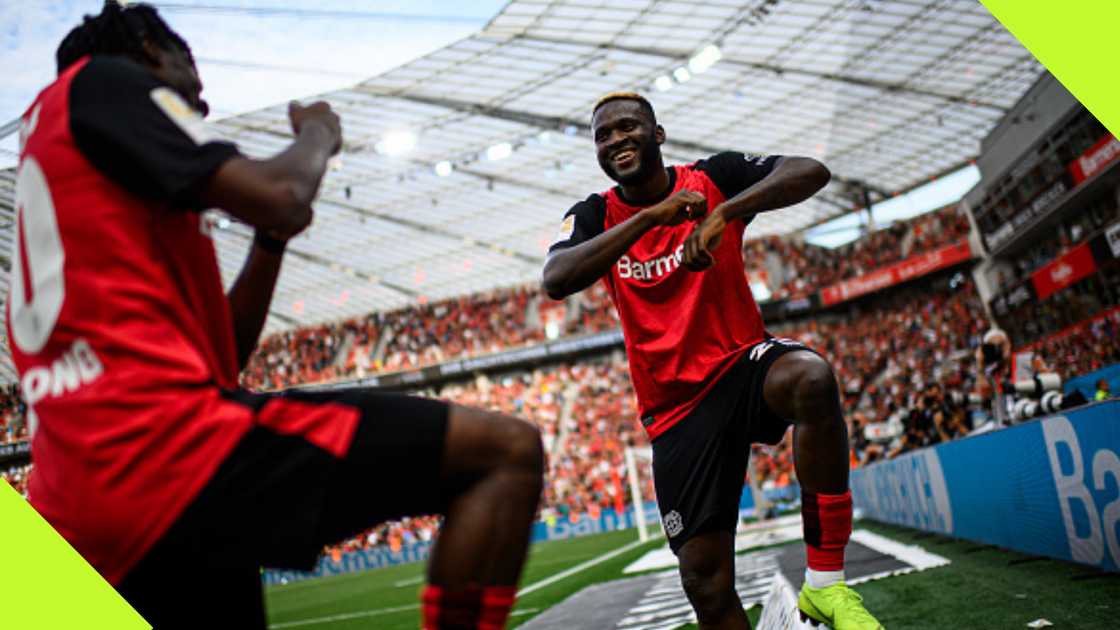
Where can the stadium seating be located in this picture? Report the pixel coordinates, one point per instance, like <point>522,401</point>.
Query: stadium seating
<point>796,268</point>
<point>16,476</point>
<point>12,409</point>
<point>903,359</point>
<point>424,335</point>
<point>508,318</point>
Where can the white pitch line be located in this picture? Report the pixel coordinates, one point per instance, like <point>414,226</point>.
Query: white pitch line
<point>345,616</point>
<point>409,582</point>
<point>919,558</point>
<point>576,569</point>
<point>552,579</point>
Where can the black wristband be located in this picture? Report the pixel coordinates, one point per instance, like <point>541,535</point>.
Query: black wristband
<point>269,244</point>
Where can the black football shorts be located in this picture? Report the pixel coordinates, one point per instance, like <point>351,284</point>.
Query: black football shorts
<point>700,463</point>
<point>278,500</point>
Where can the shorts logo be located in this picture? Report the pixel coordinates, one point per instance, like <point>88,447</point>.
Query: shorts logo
<point>673,524</point>
<point>760,350</point>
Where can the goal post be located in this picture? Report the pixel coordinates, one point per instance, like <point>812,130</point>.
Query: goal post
<point>639,466</point>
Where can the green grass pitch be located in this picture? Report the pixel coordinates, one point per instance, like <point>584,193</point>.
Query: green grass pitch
<point>983,588</point>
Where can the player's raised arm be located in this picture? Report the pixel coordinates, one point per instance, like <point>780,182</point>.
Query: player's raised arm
<point>759,185</point>
<point>585,252</point>
<point>792,180</point>
<point>275,195</point>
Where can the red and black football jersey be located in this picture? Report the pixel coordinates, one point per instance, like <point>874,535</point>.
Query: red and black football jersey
<point>117,319</point>
<point>682,329</point>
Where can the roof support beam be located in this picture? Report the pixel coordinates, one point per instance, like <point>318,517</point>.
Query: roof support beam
<point>550,122</point>
<point>782,70</point>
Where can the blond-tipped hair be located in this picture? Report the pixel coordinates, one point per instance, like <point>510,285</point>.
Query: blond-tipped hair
<point>625,96</point>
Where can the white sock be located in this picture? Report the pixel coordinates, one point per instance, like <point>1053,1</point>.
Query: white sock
<point>822,579</point>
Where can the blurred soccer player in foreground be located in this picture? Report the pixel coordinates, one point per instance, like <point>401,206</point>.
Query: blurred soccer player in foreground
<point>709,379</point>
<point>176,485</point>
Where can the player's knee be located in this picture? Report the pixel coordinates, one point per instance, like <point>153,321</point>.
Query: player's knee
<point>522,446</point>
<point>709,590</point>
<point>815,383</point>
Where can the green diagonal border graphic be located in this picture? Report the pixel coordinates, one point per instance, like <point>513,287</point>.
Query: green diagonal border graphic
<point>45,584</point>
<point>1076,41</point>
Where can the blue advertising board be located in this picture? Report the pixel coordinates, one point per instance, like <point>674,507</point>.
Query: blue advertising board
<point>378,557</point>
<point>1048,487</point>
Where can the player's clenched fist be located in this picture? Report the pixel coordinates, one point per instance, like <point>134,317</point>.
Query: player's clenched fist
<point>319,112</point>
<point>704,240</point>
<point>686,205</point>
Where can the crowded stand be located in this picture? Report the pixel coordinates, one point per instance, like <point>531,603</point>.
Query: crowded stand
<point>1080,349</point>
<point>424,335</point>
<point>586,446</point>
<point>13,426</point>
<point>586,453</point>
<point>489,322</point>
<point>795,268</point>
<point>16,476</point>
<point>899,355</point>
<point>903,358</point>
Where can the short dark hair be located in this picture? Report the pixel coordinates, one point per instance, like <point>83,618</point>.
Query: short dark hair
<point>118,30</point>
<point>625,96</point>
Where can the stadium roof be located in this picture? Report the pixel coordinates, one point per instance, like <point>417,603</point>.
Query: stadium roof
<point>887,94</point>
<point>7,234</point>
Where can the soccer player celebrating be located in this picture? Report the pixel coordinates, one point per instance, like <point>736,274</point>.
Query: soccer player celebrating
<point>176,485</point>
<point>709,379</point>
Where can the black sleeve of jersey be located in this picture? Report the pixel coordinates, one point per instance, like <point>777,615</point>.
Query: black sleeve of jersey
<point>733,172</point>
<point>141,134</point>
<point>583,222</point>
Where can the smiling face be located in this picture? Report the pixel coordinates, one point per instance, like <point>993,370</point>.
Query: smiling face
<point>627,141</point>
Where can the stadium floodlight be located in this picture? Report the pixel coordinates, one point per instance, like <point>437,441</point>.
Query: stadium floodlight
<point>397,142</point>
<point>499,151</point>
<point>444,168</point>
<point>706,58</point>
<point>682,74</point>
<point>663,83</point>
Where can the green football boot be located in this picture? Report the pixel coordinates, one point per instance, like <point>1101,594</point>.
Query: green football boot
<point>838,606</point>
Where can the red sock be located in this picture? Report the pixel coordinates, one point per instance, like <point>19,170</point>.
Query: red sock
<point>827,522</point>
<point>466,608</point>
<point>496,604</point>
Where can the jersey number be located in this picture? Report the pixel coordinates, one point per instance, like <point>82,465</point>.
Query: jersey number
<point>37,260</point>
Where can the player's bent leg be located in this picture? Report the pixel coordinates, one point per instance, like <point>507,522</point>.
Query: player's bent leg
<point>481,470</point>
<point>707,567</point>
<point>493,465</point>
<point>801,386</point>
<point>492,468</point>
